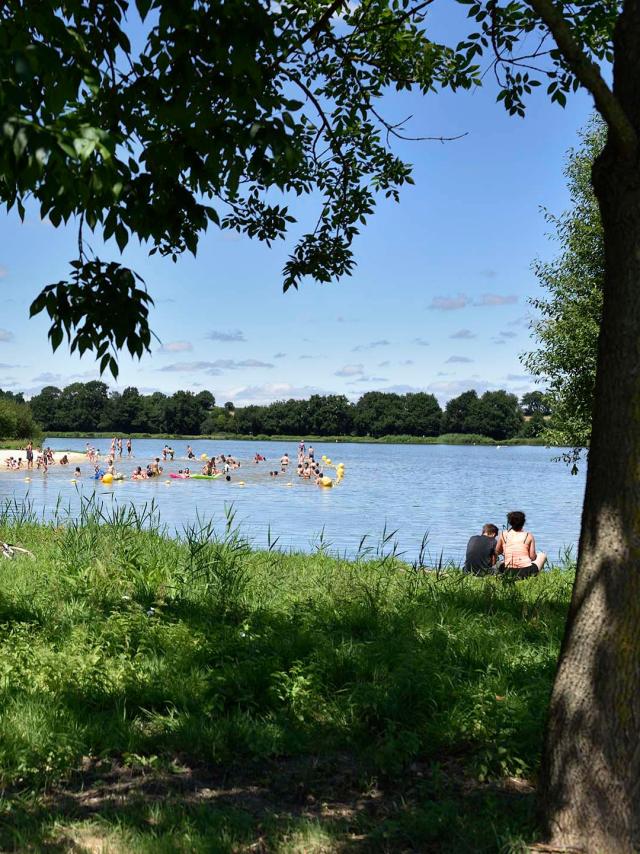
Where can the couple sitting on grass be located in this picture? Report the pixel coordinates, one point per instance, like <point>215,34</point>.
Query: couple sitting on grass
<point>517,546</point>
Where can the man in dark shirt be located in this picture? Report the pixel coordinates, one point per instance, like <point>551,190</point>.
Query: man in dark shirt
<point>481,551</point>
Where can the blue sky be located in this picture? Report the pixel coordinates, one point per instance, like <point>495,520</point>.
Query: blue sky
<point>438,302</point>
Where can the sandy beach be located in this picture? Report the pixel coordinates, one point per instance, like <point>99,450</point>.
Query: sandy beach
<point>74,457</point>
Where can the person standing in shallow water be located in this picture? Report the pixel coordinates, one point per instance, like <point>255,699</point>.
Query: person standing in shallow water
<point>519,548</point>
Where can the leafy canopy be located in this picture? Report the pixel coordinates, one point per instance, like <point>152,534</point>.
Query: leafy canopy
<point>569,315</point>
<point>218,112</point>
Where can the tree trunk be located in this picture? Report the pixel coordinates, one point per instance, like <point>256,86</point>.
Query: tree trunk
<point>590,778</point>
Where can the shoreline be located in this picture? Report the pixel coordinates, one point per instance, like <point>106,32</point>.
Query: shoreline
<point>446,439</point>
<point>74,457</point>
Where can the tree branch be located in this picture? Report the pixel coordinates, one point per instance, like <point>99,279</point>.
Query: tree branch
<point>322,21</point>
<point>588,74</point>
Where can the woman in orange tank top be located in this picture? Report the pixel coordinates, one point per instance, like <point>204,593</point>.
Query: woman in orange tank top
<point>519,548</point>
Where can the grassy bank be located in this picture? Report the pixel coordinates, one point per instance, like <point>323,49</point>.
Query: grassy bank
<point>446,439</point>
<point>194,695</point>
<point>15,444</point>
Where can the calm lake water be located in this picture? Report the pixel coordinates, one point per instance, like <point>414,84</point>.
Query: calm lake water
<point>445,490</point>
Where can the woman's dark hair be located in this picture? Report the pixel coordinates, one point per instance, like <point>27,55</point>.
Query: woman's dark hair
<point>516,519</point>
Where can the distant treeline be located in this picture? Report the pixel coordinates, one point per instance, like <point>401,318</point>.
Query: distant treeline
<point>91,407</point>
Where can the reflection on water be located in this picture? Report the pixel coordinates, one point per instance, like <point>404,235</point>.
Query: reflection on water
<point>449,491</point>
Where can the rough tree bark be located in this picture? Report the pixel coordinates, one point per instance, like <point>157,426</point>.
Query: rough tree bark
<point>590,777</point>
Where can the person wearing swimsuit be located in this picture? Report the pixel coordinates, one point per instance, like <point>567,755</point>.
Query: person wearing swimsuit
<point>519,548</point>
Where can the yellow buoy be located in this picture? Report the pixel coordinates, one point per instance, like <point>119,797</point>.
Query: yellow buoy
<point>203,457</point>
<point>326,481</point>
<point>28,479</point>
<point>107,478</point>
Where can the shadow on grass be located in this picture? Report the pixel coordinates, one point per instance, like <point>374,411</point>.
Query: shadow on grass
<point>363,710</point>
<point>308,805</point>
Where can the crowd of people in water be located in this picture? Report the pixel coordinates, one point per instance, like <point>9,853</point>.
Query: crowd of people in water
<point>220,465</point>
<point>512,550</point>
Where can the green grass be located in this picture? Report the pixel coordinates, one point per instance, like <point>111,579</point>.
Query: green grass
<point>195,695</point>
<point>10,444</point>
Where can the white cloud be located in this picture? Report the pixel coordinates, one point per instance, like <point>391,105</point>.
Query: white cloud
<point>508,334</point>
<point>449,303</point>
<point>463,334</point>
<point>445,390</point>
<point>279,355</point>
<point>350,371</point>
<point>268,393</point>
<point>422,342</point>
<point>402,389</point>
<point>176,347</point>
<point>368,380</point>
<point>496,299</point>
<point>3,272</point>
<point>6,335</point>
<point>227,337</point>
<point>462,300</point>
<point>461,360</point>
<point>372,345</point>
<point>48,378</point>
<point>91,374</point>
<point>214,368</point>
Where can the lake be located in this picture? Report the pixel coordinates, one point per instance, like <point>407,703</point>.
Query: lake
<point>448,491</point>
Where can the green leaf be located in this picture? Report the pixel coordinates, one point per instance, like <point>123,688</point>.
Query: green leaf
<point>122,236</point>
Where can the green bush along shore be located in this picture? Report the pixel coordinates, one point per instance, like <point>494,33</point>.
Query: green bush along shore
<point>192,694</point>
